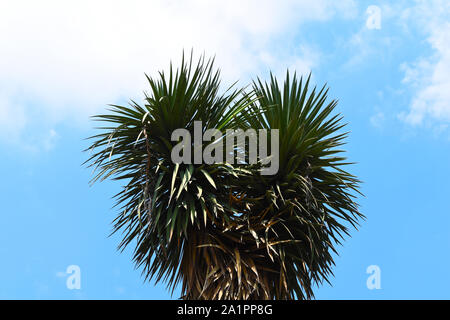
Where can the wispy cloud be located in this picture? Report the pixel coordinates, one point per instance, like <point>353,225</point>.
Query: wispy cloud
<point>377,120</point>
<point>429,76</point>
<point>374,36</point>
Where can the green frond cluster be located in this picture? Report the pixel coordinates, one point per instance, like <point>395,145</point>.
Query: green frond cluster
<point>224,230</point>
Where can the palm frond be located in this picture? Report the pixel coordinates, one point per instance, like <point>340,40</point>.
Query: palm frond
<point>224,230</point>
<point>162,203</point>
<point>309,203</point>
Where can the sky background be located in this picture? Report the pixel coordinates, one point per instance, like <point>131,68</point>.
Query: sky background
<point>63,61</point>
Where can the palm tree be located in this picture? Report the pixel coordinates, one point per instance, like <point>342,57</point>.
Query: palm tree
<point>224,230</point>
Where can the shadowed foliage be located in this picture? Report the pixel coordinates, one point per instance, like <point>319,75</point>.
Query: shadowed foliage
<point>224,230</point>
<point>300,212</point>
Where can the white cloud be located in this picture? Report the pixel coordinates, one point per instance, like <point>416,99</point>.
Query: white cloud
<point>36,141</point>
<point>302,60</point>
<point>49,139</point>
<point>430,76</point>
<point>377,120</point>
<point>70,58</point>
<point>12,118</point>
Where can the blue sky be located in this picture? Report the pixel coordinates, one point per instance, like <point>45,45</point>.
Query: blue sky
<point>61,62</point>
